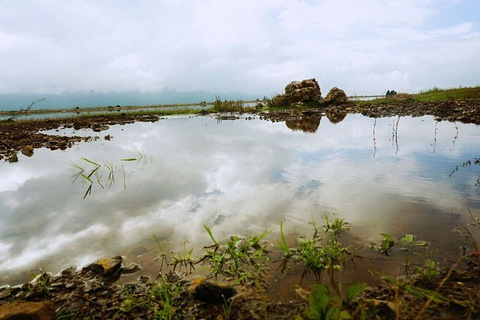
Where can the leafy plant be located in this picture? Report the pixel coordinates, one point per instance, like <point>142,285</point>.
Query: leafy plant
<point>321,252</point>
<point>241,260</point>
<point>429,269</point>
<point>387,243</point>
<point>408,245</point>
<point>323,304</point>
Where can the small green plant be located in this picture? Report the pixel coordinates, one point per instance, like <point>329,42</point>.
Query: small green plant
<point>227,307</point>
<point>323,304</point>
<point>387,243</point>
<point>429,269</point>
<point>128,302</point>
<point>321,252</point>
<point>241,260</point>
<point>166,293</point>
<point>282,243</point>
<point>471,232</point>
<point>183,259</point>
<point>39,284</point>
<point>407,245</point>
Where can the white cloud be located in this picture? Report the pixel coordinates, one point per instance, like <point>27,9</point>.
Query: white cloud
<point>455,30</point>
<point>255,47</point>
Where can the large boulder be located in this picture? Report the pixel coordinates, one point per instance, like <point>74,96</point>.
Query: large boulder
<point>336,95</point>
<point>298,93</point>
<point>304,91</point>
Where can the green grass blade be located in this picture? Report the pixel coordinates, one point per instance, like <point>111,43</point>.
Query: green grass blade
<point>209,231</point>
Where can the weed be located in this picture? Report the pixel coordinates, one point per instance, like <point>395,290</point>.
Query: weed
<point>227,308</point>
<point>416,291</point>
<point>39,284</point>
<point>429,268</point>
<point>317,254</point>
<point>165,293</point>
<point>323,304</point>
<point>282,244</point>
<point>227,106</point>
<point>408,245</point>
<point>387,243</point>
<point>472,236</point>
<point>183,259</point>
<point>241,260</point>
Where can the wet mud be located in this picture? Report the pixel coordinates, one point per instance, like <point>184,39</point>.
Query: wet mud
<point>25,136</point>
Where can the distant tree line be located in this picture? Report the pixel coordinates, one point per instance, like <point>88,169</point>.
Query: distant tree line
<point>390,93</point>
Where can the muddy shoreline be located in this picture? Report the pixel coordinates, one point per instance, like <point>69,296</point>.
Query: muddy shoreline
<point>95,292</point>
<point>25,136</point>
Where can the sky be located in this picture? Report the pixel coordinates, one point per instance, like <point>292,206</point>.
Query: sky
<point>254,47</point>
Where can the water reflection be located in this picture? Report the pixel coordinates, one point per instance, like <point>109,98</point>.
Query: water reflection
<point>336,117</point>
<point>308,123</point>
<point>238,177</point>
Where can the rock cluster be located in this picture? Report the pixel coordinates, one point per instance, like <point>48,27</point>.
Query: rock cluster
<point>299,93</point>
<point>93,293</point>
<point>307,92</point>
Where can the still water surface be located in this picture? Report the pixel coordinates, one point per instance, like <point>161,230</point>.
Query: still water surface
<point>385,175</point>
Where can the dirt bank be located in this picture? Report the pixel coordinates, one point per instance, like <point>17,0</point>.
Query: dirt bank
<point>24,136</point>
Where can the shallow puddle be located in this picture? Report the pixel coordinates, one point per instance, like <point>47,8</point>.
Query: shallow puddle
<point>169,178</point>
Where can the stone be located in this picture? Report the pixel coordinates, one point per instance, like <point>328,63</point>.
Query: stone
<point>304,91</point>
<point>336,95</point>
<point>298,93</point>
<point>27,150</point>
<point>44,310</point>
<point>210,293</point>
<point>130,268</point>
<point>109,268</point>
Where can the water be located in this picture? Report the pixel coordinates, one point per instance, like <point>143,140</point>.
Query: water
<point>393,175</point>
<point>74,113</point>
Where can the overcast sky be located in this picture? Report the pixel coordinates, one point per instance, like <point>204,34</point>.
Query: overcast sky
<point>250,46</point>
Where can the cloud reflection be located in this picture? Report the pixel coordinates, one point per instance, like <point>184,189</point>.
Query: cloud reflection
<point>237,177</point>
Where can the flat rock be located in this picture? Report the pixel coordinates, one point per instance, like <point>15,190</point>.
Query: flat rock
<point>209,292</point>
<point>44,310</point>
